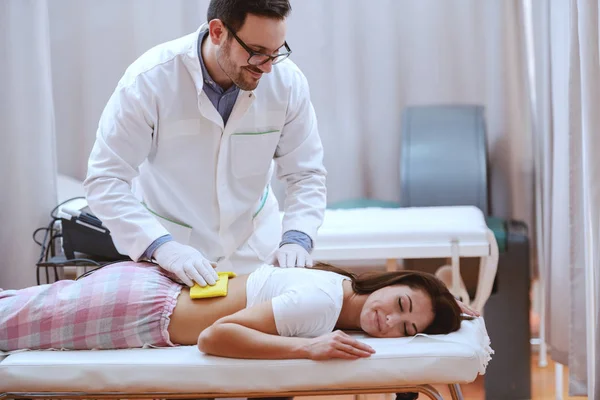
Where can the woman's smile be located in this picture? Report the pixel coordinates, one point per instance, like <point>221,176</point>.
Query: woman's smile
<point>378,321</point>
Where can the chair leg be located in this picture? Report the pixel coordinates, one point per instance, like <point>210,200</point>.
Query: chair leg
<point>455,392</point>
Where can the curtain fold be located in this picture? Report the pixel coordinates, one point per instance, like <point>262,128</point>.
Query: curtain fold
<point>566,73</point>
<point>27,154</point>
<point>585,195</point>
<point>550,56</point>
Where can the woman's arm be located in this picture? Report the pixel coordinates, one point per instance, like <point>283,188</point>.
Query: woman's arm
<point>252,333</point>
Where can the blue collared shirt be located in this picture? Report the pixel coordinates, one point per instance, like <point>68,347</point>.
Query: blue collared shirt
<point>223,100</point>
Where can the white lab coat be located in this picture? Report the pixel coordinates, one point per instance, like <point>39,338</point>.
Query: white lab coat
<point>164,163</point>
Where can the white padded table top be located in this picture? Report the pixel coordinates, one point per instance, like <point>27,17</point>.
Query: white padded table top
<point>351,234</point>
<point>439,359</point>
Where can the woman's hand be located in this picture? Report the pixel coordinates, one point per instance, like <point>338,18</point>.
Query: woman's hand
<point>337,345</point>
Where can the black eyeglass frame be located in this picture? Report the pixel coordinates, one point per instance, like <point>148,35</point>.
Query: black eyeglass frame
<point>253,53</point>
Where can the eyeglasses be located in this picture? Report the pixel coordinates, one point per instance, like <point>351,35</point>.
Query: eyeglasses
<point>257,58</point>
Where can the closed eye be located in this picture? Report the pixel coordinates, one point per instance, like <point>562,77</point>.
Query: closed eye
<point>414,332</point>
<point>410,303</point>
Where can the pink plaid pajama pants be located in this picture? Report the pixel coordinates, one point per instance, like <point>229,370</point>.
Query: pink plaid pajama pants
<point>122,305</point>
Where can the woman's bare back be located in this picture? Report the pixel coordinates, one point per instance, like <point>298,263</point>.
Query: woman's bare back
<point>191,316</point>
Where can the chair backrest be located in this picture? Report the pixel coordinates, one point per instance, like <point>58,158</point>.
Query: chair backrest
<point>444,157</point>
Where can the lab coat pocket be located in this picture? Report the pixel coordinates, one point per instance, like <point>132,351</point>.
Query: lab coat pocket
<point>180,231</point>
<point>252,153</point>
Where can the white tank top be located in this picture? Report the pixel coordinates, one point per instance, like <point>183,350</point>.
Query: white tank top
<point>306,302</point>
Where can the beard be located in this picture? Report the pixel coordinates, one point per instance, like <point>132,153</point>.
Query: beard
<point>238,75</point>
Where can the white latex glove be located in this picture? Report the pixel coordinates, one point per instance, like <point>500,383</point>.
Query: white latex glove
<point>292,255</point>
<point>185,262</point>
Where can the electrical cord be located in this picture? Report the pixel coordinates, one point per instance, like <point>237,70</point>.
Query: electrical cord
<point>44,243</point>
<point>35,233</point>
<point>97,268</point>
<point>43,253</point>
<point>63,203</point>
<point>90,272</point>
<point>50,227</point>
<point>47,244</point>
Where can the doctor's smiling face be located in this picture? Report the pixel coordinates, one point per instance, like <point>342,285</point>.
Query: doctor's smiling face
<point>245,54</point>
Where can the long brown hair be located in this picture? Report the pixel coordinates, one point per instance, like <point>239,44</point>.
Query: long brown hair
<point>447,314</point>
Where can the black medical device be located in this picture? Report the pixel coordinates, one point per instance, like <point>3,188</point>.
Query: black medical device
<point>74,237</point>
<point>83,232</point>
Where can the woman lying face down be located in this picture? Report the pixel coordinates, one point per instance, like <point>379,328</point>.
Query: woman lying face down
<point>272,313</point>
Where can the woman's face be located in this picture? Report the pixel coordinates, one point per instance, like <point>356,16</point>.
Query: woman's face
<point>396,311</point>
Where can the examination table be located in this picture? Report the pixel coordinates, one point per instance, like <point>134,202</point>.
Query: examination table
<point>399,365</point>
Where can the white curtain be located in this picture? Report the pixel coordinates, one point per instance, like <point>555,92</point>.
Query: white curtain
<point>584,96</point>
<point>92,42</point>
<point>365,61</point>
<point>566,79</point>
<point>550,47</point>
<point>28,151</point>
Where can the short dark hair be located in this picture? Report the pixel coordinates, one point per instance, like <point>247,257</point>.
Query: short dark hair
<point>233,12</point>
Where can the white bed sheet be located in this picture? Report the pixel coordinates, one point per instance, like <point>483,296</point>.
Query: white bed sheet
<point>416,232</point>
<point>440,359</point>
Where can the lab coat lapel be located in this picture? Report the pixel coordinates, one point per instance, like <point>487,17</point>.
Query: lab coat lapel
<point>208,110</point>
<point>192,62</point>
<point>242,105</point>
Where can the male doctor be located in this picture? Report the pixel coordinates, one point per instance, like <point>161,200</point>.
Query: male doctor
<point>188,142</point>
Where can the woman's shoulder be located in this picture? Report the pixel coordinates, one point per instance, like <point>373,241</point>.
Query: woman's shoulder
<point>308,275</point>
<point>272,280</point>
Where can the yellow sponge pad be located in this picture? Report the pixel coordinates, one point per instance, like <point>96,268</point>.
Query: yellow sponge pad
<point>219,289</point>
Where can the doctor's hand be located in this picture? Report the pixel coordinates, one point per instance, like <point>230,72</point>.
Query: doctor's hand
<point>465,309</point>
<point>292,255</point>
<point>185,262</point>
